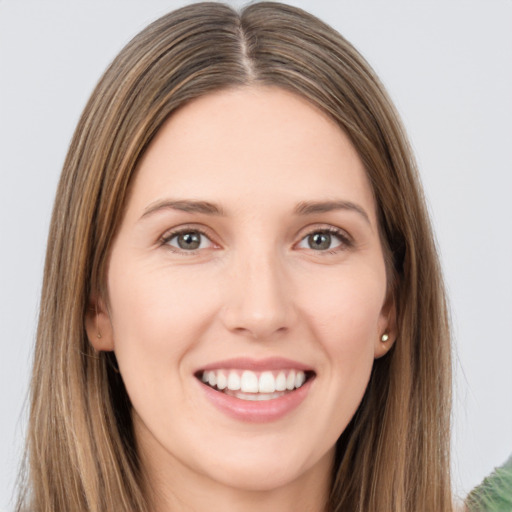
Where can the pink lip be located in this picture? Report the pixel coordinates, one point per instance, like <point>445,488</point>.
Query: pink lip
<point>256,411</point>
<point>256,365</point>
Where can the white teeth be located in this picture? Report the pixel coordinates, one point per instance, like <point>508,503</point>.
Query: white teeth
<point>249,382</point>
<point>258,397</point>
<point>290,381</point>
<point>281,382</point>
<point>222,380</point>
<point>267,383</point>
<point>233,381</point>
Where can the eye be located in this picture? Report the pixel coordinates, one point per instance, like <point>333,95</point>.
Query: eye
<point>324,240</point>
<point>187,240</point>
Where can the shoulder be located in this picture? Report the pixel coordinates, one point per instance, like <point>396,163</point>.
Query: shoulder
<point>494,494</point>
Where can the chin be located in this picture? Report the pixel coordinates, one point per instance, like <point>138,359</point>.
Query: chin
<point>260,472</point>
<point>260,478</point>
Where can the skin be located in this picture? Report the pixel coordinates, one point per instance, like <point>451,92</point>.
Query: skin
<point>254,288</point>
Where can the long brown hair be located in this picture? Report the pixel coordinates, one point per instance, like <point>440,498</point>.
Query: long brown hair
<point>394,455</point>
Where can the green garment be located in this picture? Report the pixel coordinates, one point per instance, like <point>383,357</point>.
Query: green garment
<point>494,494</point>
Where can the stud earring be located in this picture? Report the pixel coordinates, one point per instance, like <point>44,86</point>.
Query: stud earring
<point>98,333</point>
<point>384,338</point>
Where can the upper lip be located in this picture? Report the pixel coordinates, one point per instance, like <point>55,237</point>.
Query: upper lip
<point>256,365</point>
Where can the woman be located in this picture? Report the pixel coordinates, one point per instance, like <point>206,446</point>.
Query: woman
<point>242,303</point>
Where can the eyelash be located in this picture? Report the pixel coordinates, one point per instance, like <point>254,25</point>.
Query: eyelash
<point>345,241</point>
<point>167,237</point>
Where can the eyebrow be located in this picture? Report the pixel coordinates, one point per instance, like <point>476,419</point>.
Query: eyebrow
<point>188,206</point>
<point>207,208</point>
<point>312,207</point>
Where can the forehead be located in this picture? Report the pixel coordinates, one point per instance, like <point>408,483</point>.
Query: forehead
<point>248,145</point>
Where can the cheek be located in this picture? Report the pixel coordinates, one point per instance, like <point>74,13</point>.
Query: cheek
<point>346,319</point>
<point>347,310</point>
<point>343,313</point>
<point>158,319</point>
<point>156,316</point>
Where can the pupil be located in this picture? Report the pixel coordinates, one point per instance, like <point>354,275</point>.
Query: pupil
<point>319,241</point>
<point>189,241</point>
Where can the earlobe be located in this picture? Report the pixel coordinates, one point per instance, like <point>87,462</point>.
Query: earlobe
<point>384,344</point>
<point>98,326</point>
<point>387,333</point>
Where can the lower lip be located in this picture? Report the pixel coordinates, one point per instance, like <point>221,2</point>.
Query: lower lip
<point>257,411</point>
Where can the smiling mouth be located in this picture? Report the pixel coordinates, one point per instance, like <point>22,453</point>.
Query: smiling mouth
<point>254,386</point>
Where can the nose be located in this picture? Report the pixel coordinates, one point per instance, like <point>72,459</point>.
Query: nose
<point>259,299</point>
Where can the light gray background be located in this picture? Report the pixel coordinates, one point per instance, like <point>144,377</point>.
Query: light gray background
<point>447,65</point>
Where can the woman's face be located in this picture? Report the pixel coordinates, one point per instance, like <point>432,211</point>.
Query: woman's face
<point>248,257</point>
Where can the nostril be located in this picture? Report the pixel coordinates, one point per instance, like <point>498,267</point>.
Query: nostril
<point>259,307</point>
<point>257,325</point>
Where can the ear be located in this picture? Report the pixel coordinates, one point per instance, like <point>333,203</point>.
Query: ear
<point>387,329</point>
<point>98,325</point>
